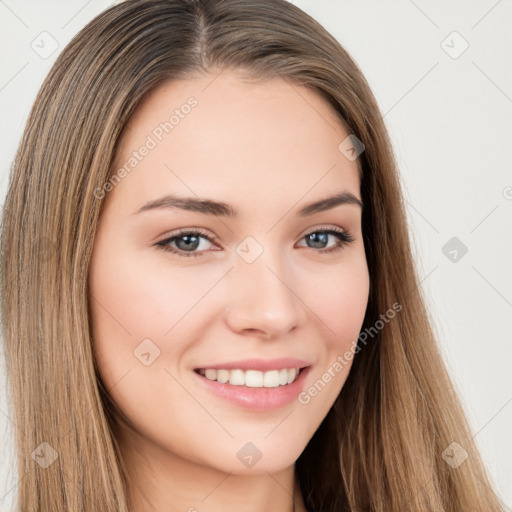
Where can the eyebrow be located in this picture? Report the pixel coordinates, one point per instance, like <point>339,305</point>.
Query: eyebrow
<point>221,209</point>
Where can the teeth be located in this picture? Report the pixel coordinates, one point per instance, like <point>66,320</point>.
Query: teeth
<point>252,378</point>
<point>236,378</point>
<point>291,375</point>
<point>222,376</point>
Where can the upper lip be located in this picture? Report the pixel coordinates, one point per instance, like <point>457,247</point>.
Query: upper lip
<point>259,364</point>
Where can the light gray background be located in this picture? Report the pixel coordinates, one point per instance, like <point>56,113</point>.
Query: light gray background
<point>450,120</point>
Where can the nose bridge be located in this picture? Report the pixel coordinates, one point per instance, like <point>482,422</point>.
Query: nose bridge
<point>262,295</point>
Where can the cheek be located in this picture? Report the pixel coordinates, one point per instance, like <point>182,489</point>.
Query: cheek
<point>144,313</point>
<point>133,299</point>
<point>339,301</point>
<point>339,308</point>
<point>133,307</point>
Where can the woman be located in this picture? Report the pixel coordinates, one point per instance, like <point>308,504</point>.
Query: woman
<point>187,171</point>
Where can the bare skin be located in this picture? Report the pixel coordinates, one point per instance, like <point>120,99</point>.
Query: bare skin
<point>267,149</point>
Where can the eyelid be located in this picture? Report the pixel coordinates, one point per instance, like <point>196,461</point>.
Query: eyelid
<point>213,238</point>
<point>192,230</point>
<point>344,238</point>
<point>163,243</point>
<point>322,227</point>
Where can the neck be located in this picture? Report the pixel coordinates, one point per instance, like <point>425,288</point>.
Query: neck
<point>160,481</point>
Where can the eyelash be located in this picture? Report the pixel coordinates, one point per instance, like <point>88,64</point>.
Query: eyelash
<point>344,238</point>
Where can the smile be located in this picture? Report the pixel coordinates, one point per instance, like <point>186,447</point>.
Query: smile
<point>258,390</point>
<point>252,378</point>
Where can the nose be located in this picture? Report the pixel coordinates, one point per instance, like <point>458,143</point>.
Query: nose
<point>264,298</point>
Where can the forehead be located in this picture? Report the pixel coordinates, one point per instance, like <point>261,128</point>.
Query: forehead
<point>224,136</point>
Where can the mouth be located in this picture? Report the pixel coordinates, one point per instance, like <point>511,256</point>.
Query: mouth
<point>252,378</point>
<point>255,384</point>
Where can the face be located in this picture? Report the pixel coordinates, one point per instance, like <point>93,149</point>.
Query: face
<point>211,282</point>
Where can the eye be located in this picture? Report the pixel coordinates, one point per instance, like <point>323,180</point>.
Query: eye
<point>321,237</point>
<point>186,242</point>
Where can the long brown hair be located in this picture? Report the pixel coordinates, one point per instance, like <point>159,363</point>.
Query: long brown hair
<point>380,448</point>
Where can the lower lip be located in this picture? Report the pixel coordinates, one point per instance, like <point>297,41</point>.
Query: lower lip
<point>260,399</point>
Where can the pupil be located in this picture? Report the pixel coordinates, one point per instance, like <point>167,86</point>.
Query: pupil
<point>320,238</point>
<point>191,241</point>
